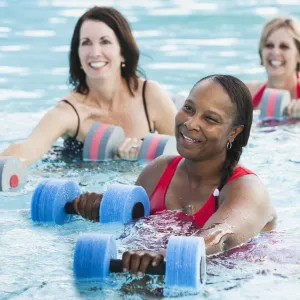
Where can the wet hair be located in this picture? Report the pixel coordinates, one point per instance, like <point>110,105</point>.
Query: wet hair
<point>241,98</point>
<point>129,50</point>
<point>291,24</point>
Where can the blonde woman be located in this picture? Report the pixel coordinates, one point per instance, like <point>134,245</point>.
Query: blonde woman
<point>279,51</point>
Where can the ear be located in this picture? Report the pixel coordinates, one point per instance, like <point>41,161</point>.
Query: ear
<point>235,132</point>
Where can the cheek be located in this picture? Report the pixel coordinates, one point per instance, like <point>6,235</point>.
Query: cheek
<point>180,118</point>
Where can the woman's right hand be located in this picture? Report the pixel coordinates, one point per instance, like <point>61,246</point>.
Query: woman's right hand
<point>87,205</point>
<point>129,149</point>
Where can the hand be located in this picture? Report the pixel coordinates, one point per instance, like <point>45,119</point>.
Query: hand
<point>293,109</point>
<point>138,261</point>
<point>87,205</point>
<point>129,149</point>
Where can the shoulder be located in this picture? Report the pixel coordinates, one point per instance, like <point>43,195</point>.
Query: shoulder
<point>254,87</point>
<point>155,93</point>
<point>246,187</point>
<point>152,173</point>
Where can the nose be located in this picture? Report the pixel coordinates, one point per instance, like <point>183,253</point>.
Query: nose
<point>275,50</point>
<point>192,123</point>
<point>95,50</point>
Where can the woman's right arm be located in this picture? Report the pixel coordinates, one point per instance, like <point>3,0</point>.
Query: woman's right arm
<point>58,121</point>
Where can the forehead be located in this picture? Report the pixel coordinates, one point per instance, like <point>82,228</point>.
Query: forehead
<point>95,28</point>
<point>210,95</point>
<point>281,35</point>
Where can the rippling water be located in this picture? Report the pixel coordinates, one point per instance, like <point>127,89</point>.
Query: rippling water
<point>180,41</point>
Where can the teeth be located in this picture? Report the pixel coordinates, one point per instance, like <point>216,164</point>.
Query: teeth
<point>97,64</point>
<point>189,139</point>
<point>276,63</point>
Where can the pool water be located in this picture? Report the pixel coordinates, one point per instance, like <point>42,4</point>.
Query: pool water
<point>180,42</point>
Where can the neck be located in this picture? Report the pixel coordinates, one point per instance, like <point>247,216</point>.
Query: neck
<point>205,171</point>
<point>106,93</point>
<point>283,83</point>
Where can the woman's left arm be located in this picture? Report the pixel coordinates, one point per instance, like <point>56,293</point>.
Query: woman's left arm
<point>245,210</point>
<point>161,108</point>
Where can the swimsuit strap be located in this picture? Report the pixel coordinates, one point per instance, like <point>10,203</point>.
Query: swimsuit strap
<point>77,130</point>
<point>145,105</point>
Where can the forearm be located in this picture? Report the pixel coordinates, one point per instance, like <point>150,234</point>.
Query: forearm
<point>217,238</point>
<point>18,149</point>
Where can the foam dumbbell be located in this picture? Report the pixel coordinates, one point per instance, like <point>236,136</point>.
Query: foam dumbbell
<point>52,202</point>
<point>155,145</point>
<point>273,104</point>
<point>12,173</point>
<point>95,257</point>
<point>102,142</point>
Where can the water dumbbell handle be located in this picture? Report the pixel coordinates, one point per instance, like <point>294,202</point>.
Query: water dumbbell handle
<point>116,266</point>
<point>137,211</point>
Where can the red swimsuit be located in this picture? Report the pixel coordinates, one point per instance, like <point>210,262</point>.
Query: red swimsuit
<point>157,198</point>
<point>258,96</point>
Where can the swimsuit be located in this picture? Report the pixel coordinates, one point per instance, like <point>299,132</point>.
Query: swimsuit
<point>257,98</point>
<point>157,198</point>
<point>74,147</point>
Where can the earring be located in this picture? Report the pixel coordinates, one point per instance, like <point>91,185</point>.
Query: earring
<point>229,145</point>
<point>123,65</point>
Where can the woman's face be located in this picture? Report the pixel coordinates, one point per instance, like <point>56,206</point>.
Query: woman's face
<point>203,126</point>
<point>279,53</point>
<point>99,50</point>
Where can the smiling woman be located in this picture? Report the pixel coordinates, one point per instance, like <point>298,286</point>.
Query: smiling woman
<point>279,51</point>
<point>107,88</point>
<point>227,201</point>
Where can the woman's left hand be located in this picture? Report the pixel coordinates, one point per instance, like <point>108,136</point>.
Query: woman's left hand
<point>293,109</point>
<point>138,261</point>
<point>130,148</point>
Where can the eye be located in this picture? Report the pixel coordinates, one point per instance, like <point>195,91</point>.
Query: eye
<point>187,107</point>
<point>211,119</point>
<point>105,42</point>
<point>269,45</point>
<point>284,47</point>
<point>84,43</point>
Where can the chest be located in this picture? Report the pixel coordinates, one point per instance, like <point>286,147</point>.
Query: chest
<point>130,116</point>
<point>179,195</point>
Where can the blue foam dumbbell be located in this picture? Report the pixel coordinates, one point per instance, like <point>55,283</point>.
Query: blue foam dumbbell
<point>52,202</point>
<point>95,257</point>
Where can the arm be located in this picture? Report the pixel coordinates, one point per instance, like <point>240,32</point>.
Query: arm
<point>54,124</point>
<point>161,108</point>
<point>245,211</point>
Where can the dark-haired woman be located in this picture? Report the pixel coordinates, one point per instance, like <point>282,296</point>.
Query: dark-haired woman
<point>103,70</point>
<point>230,203</point>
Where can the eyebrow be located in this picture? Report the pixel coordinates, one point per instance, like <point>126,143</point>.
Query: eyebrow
<point>87,38</point>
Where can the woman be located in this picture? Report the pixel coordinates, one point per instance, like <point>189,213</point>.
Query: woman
<point>230,202</point>
<point>103,70</point>
<point>279,51</point>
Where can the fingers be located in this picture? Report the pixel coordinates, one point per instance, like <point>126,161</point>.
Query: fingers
<point>87,205</point>
<point>129,149</point>
<point>137,262</point>
<point>293,109</point>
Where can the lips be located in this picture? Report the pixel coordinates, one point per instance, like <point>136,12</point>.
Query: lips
<point>276,63</point>
<point>97,64</point>
<point>189,140</point>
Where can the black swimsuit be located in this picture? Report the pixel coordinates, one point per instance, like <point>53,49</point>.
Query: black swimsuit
<point>74,147</point>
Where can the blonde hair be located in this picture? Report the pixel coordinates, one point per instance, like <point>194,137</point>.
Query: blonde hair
<point>293,26</point>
